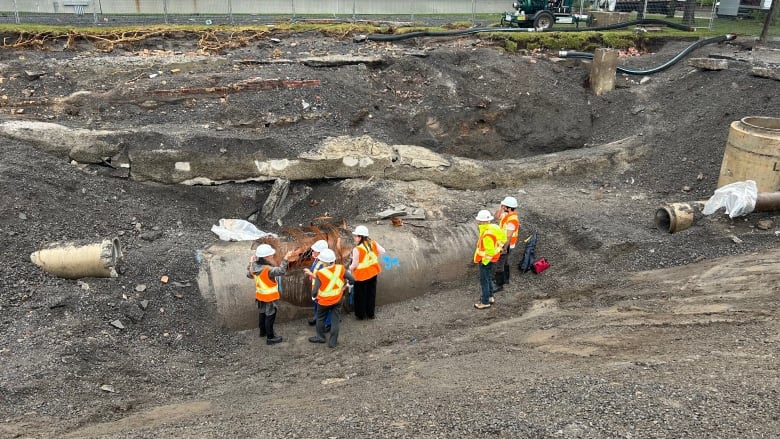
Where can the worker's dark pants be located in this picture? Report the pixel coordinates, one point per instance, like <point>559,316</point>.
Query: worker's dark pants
<point>365,298</point>
<point>324,312</point>
<point>485,283</point>
<point>266,320</point>
<point>327,319</point>
<point>502,268</point>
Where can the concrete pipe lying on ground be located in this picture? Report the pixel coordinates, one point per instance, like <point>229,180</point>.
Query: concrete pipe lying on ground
<point>676,217</point>
<point>71,260</point>
<point>416,259</point>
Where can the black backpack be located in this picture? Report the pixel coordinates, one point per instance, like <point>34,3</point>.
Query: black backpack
<point>529,254</point>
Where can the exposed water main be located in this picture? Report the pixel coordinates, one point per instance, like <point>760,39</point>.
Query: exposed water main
<point>415,261</point>
<point>662,67</point>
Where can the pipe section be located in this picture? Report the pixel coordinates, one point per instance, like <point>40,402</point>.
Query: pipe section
<point>72,260</point>
<point>676,217</point>
<point>417,259</point>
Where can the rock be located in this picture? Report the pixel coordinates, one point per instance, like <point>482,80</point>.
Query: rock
<point>765,224</point>
<point>117,324</point>
<point>143,304</point>
<point>709,63</point>
<point>151,235</point>
<point>108,388</point>
<point>140,288</point>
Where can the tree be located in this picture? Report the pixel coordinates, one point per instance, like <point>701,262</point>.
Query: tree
<point>770,18</point>
<point>688,12</point>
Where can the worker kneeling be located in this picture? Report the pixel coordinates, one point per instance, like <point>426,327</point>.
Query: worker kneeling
<point>327,291</point>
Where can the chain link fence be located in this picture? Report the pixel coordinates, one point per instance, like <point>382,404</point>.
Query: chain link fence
<point>98,12</point>
<point>748,17</point>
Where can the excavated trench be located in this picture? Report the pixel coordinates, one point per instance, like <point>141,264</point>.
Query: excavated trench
<point>417,257</point>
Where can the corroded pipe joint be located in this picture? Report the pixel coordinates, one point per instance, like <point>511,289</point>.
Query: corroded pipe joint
<point>675,217</point>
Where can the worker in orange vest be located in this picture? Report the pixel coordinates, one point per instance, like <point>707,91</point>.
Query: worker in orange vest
<point>265,274</point>
<point>330,281</point>
<point>510,224</point>
<point>491,240</point>
<point>365,268</point>
<point>316,249</point>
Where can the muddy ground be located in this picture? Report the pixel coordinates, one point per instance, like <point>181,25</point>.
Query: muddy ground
<point>632,332</point>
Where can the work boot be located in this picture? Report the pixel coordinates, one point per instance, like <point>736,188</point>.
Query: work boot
<point>273,340</point>
<point>316,339</point>
<point>481,305</point>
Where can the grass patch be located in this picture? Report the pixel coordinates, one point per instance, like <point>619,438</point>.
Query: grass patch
<point>217,37</point>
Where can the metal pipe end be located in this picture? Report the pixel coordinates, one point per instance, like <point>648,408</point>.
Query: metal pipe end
<point>664,219</point>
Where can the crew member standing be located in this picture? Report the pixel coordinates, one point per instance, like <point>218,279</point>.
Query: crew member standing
<point>491,239</point>
<point>263,271</point>
<point>328,290</point>
<point>365,268</point>
<point>510,224</point>
<point>316,249</point>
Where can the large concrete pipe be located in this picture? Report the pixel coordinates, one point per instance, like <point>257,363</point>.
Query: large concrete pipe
<point>416,259</point>
<point>676,217</point>
<point>72,260</point>
<point>753,153</point>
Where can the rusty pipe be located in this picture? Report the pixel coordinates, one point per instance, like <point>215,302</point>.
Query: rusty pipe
<point>676,217</point>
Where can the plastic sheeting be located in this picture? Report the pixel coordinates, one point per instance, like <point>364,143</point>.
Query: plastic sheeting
<point>739,198</point>
<point>238,230</point>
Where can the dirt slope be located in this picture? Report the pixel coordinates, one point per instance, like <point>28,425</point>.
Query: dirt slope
<point>595,347</point>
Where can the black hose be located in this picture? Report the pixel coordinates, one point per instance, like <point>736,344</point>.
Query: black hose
<point>474,30</point>
<point>662,67</point>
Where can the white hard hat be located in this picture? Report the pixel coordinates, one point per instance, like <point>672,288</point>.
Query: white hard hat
<point>361,231</point>
<point>264,250</point>
<point>510,202</point>
<point>319,246</point>
<point>328,256</point>
<point>484,215</point>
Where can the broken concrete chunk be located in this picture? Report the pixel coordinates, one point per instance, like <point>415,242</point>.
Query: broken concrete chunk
<point>390,213</point>
<point>766,72</point>
<point>33,75</point>
<point>709,63</point>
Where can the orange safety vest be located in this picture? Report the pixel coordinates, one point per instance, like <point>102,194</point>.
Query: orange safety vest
<point>510,218</point>
<point>368,262</point>
<point>266,289</point>
<point>491,233</point>
<point>331,284</point>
